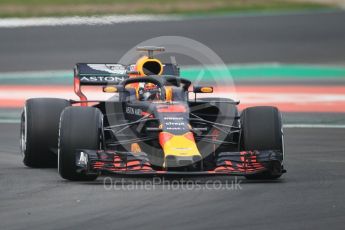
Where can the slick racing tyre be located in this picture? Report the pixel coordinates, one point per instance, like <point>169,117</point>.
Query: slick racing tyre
<point>261,130</point>
<point>80,128</point>
<point>39,131</point>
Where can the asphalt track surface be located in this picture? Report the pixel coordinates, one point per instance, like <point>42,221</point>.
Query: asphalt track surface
<point>309,196</point>
<point>291,38</point>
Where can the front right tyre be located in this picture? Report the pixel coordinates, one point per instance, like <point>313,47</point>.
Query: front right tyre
<point>262,130</point>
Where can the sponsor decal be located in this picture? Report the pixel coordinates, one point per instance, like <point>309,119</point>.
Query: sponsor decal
<point>132,67</point>
<point>171,109</point>
<point>174,118</point>
<point>133,111</point>
<point>175,123</point>
<point>113,79</point>
<point>109,68</point>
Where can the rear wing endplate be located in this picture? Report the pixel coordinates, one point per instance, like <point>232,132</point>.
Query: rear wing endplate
<point>97,74</point>
<point>100,74</point>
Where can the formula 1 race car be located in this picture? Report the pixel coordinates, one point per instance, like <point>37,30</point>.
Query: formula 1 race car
<point>150,126</point>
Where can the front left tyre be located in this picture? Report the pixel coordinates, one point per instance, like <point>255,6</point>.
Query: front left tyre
<point>80,128</point>
<point>39,131</point>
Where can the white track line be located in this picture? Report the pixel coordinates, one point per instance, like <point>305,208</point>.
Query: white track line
<point>93,20</point>
<point>114,19</point>
<point>9,121</point>
<point>28,75</point>
<point>314,126</point>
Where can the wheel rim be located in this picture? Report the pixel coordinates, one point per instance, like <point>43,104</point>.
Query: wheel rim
<point>23,133</point>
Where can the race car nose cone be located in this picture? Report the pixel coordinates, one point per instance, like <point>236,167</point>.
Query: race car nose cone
<point>181,161</point>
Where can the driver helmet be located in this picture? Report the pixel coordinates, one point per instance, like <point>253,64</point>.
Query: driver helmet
<point>149,92</point>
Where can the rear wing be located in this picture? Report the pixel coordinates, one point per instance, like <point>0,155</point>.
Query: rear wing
<point>100,74</point>
<point>97,74</point>
<point>104,74</point>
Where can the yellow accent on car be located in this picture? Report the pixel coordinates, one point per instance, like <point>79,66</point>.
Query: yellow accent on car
<point>206,90</point>
<point>135,148</point>
<point>168,93</point>
<point>146,65</point>
<point>180,145</point>
<point>110,89</point>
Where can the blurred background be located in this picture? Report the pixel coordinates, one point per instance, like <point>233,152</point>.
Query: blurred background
<point>289,53</point>
<point>38,8</point>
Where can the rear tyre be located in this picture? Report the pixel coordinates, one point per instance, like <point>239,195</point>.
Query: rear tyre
<point>80,128</point>
<point>262,130</point>
<point>39,130</point>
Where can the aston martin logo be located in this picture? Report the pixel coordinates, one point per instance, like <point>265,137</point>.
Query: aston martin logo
<point>102,79</point>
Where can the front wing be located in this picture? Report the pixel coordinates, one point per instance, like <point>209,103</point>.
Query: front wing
<point>227,163</point>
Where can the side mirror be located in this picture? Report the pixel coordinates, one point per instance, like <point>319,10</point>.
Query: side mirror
<point>202,89</point>
<point>113,89</point>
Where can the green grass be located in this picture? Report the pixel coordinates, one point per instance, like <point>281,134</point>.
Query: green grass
<point>33,8</point>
